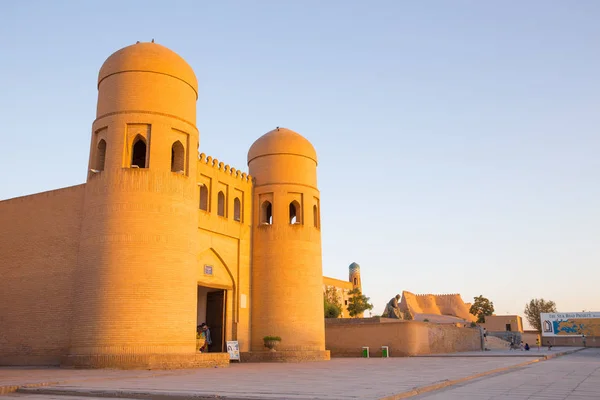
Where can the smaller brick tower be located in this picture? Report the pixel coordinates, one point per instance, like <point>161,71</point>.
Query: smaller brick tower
<point>354,276</point>
<point>287,274</point>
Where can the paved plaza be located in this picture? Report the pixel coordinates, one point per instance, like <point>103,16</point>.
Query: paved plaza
<point>572,377</point>
<point>508,375</point>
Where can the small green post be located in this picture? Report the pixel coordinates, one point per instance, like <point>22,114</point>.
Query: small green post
<point>365,352</point>
<point>385,352</point>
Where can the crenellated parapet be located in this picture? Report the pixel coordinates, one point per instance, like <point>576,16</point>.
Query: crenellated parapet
<point>224,168</point>
<point>225,196</point>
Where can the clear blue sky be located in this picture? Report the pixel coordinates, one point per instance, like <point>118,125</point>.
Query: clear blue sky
<point>458,141</point>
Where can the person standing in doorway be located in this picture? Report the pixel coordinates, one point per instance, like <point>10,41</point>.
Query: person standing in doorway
<point>200,339</point>
<point>206,333</point>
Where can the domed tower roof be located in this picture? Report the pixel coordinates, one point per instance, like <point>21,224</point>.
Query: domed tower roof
<point>354,267</point>
<point>282,141</point>
<point>149,57</point>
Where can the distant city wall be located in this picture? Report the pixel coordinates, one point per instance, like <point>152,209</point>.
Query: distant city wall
<point>346,338</point>
<point>440,304</point>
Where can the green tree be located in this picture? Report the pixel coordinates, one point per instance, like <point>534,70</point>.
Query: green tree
<point>535,308</point>
<point>358,303</point>
<point>481,308</point>
<point>331,302</point>
<point>331,310</point>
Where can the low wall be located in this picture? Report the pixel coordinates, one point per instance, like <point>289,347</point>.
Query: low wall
<point>149,361</point>
<point>509,336</point>
<point>575,341</point>
<point>285,356</point>
<point>346,338</point>
<point>530,337</point>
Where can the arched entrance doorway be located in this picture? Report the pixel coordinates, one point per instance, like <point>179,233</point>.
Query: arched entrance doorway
<point>215,298</point>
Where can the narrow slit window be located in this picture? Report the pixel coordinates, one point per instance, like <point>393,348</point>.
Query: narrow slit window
<point>138,158</point>
<point>266,213</point>
<point>177,157</point>
<point>316,216</point>
<point>204,198</point>
<point>221,204</point>
<point>237,210</point>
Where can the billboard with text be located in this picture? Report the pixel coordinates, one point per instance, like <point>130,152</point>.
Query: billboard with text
<point>571,324</point>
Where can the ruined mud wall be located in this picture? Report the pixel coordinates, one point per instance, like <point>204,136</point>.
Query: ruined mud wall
<point>439,304</point>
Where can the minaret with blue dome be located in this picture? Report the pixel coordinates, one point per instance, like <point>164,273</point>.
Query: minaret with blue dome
<point>354,276</point>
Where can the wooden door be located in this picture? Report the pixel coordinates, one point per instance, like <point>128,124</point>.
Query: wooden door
<point>215,319</point>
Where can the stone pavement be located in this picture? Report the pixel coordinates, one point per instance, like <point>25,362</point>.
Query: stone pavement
<point>14,377</point>
<point>572,377</point>
<point>348,378</point>
<point>543,352</point>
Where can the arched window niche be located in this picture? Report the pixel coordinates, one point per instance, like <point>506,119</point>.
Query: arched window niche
<point>221,204</point>
<point>316,216</point>
<point>100,155</point>
<point>237,210</point>
<point>266,213</point>
<point>177,158</point>
<point>138,158</point>
<point>203,197</point>
<point>295,217</point>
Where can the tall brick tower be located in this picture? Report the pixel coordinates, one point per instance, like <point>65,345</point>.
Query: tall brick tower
<point>135,289</point>
<point>287,275</point>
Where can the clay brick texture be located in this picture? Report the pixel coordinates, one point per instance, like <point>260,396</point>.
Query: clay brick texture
<point>39,241</point>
